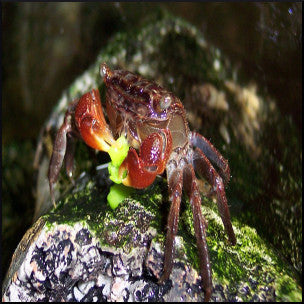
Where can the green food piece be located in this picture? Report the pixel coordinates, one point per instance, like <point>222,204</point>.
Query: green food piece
<point>113,171</point>
<point>117,194</point>
<point>118,153</point>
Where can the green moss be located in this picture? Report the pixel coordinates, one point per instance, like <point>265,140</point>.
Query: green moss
<point>109,226</point>
<point>76,206</point>
<point>252,259</point>
<point>287,290</point>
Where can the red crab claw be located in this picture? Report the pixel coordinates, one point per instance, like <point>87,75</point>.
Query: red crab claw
<point>152,159</point>
<point>91,122</point>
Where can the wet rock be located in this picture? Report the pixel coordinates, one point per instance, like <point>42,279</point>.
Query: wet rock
<point>85,251</point>
<point>98,257</point>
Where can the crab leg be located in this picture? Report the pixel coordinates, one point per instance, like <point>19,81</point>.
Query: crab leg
<point>211,152</point>
<point>59,150</point>
<point>200,227</point>
<point>69,156</point>
<point>175,187</point>
<point>142,169</point>
<point>204,168</point>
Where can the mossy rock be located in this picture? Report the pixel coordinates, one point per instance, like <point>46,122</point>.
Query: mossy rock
<point>84,250</point>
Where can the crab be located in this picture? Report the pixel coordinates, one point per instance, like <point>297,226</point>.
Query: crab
<point>154,122</point>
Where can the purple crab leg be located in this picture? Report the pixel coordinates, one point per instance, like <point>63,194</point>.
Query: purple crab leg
<point>204,168</point>
<point>175,189</point>
<point>69,156</point>
<point>60,148</point>
<point>200,227</point>
<point>58,156</point>
<point>212,154</point>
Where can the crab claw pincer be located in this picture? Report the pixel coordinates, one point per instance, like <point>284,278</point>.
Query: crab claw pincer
<point>91,123</point>
<point>139,171</point>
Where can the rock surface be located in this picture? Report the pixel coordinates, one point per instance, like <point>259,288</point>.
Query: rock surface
<point>85,251</point>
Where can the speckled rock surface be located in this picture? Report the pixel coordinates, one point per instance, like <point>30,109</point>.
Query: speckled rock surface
<point>103,256</point>
<point>125,246</point>
<point>85,251</point>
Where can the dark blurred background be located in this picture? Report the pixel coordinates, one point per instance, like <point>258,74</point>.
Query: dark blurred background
<point>45,46</point>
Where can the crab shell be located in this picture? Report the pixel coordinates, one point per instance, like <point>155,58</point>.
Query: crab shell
<point>137,108</point>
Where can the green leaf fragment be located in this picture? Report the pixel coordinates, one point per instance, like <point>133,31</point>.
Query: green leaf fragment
<point>118,153</point>
<point>117,194</point>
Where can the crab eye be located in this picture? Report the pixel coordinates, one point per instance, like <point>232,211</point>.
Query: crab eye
<point>165,102</point>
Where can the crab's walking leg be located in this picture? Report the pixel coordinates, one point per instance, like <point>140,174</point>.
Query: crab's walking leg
<point>69,156</point>
<point>200,227</point>
<point>175,190</point>
<point>204,168</point>
<point>212,154</point>
<point>59,151</point>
